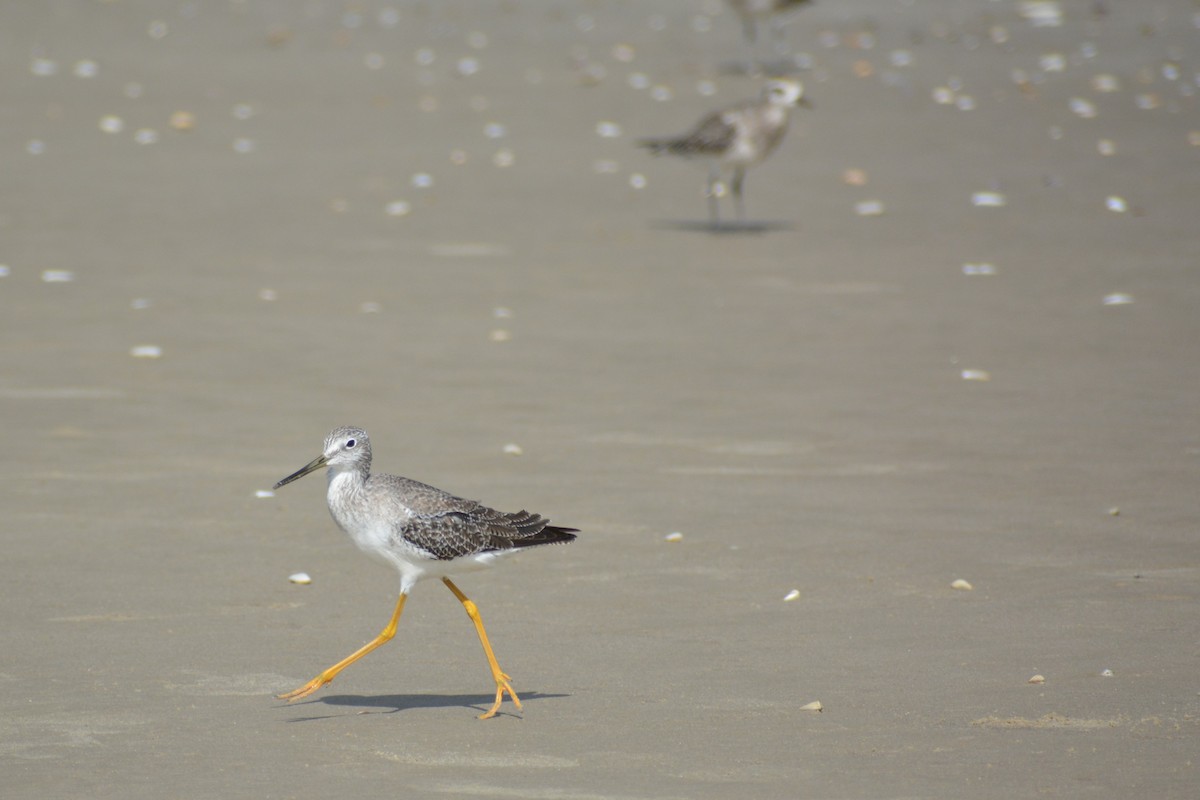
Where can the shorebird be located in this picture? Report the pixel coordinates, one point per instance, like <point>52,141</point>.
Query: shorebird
<point>774,12</point>
<point>736,138</point>
<point>423,532</point>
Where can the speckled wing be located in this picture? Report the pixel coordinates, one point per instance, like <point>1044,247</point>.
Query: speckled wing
<point>711,137</point>
<point>448,527</point>
<point>457,533</point>
<point>419,498</point>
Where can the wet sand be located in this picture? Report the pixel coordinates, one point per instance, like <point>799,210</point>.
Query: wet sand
<point>792,401</point>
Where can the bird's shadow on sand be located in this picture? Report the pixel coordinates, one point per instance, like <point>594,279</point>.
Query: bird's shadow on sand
<point>741,227</point>
<point>391,703</point>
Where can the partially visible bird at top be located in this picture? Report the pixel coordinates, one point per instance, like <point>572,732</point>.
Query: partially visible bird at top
<point>775,13</point>
<point>736,138</point>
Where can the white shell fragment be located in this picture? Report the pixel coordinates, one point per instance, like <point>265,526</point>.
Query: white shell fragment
<point>1041,13</point>
<point>1085,109</point>
<point>300,578</point>
<point>608,130</point>
<point>1038,679</point>
<point>1114,512</point>
<point>869,208</point>
<point>988,199</point>
<point>676,536</point>
<point>815,705</point>
<point>976,375</point>
<point>146,351</point>
<point>43,67</point>
<point>513,449</point>
<point>962,585</point>
<point>979,269</point>
<point>57,276</point>
<point>1118,299</point>
<point>792,595</point>
<point>1106,673</point>
<point>1116,204</point>
<point>86,68</point>
<point>1053,62</point>
<point>264,493</point>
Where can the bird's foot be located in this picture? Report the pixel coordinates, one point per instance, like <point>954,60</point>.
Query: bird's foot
<point>502,686</point>
<point>306,689</point>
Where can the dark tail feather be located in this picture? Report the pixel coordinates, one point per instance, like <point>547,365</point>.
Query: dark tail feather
<point>551,534</point>
<point>657,146</point>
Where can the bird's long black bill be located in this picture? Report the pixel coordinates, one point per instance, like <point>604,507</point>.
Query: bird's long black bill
<point>311,466</point>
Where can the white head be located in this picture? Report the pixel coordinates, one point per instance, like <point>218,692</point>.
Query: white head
<point>784,92</point>
<point>346,449</point>
<point>347,446</point>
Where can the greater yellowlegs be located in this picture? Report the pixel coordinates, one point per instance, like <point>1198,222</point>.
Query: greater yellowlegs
<point>736,138</point>
<point>423,532</point>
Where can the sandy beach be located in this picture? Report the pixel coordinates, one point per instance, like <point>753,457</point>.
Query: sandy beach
<point>957,343</point>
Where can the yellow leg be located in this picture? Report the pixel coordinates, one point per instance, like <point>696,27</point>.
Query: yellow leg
<point>502,680</point>
<point>329,674</point>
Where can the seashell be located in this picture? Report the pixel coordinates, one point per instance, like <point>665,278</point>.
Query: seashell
<point>988,199</point>
<point>182,120</point>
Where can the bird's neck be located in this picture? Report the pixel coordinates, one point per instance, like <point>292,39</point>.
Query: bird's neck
<point>345,495</point>
<point>777,114</point>
<point>344,480</point>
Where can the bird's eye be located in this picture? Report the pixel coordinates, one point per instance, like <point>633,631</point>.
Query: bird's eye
<point>350,443</point>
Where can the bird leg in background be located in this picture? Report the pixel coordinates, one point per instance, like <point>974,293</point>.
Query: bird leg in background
<point>711,191</point>
<point>502,680</point>
<point>329,674</point>
<point>739,174</point>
